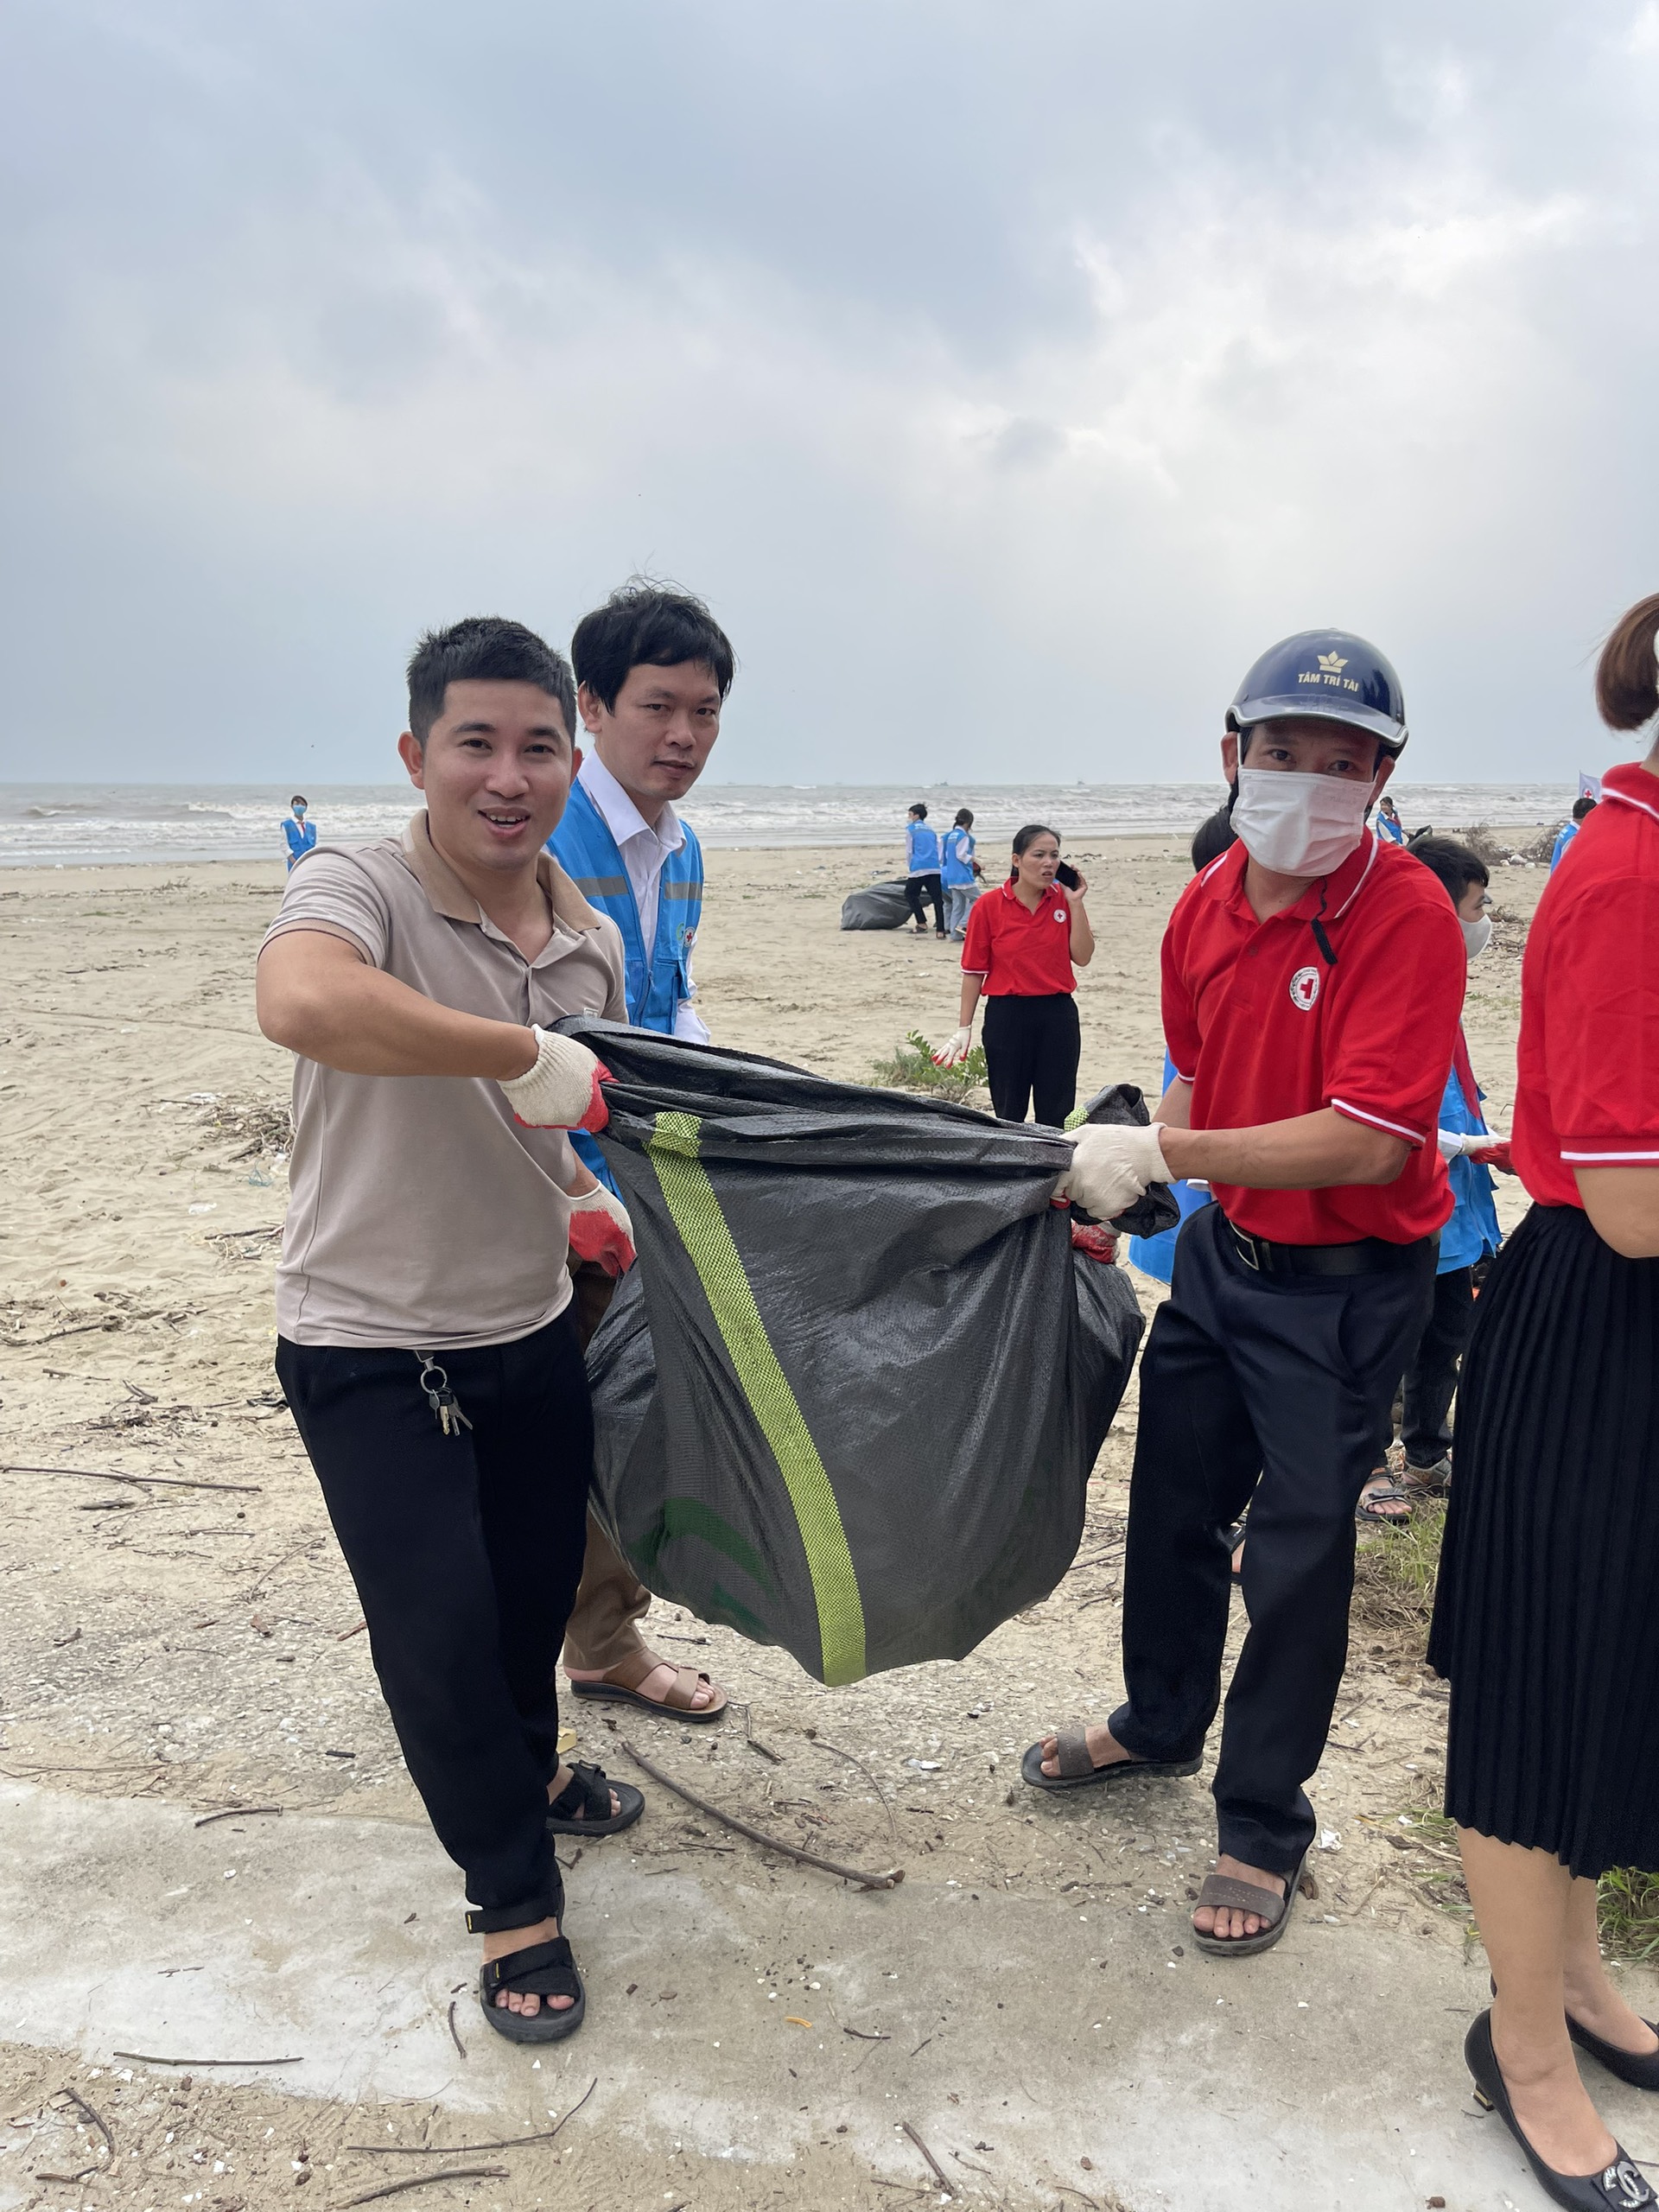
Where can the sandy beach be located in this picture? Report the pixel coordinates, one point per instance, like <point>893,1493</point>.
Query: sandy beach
<point>186,1642</point>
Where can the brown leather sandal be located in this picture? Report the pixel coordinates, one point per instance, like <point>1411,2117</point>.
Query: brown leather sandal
<point>620,1685</point>
<point>1222,1892</point>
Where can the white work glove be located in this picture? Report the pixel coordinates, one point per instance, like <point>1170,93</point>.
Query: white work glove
<point>1454,1144</point>
<point>1111,1166</point>
<point>562,1091</point>
<point>956,1047</point>
<point>601,1231</point>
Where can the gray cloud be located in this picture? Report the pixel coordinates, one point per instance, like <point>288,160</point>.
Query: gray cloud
<point>1005,378</point>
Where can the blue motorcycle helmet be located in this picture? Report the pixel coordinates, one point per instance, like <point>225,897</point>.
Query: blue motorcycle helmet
<point>1329,673</point>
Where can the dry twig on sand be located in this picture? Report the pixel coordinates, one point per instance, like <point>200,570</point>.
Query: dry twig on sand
<point>889,1880</point>
<point>425,2181</point>
<point>454,2150</point>
<point>103,1475</point>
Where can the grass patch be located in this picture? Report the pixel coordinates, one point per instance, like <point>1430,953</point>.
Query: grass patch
<point>1394,1573</point>
<point>1628,1910</point>
<point>910,1068</point>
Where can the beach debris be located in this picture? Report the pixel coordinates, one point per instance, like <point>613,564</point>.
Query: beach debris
<point>236,1813</point>
<point>944,2180</point>
<point>105,1475</point>
<point>148,2058</point>
<point>459,2150</point>
<point>425,2181</point>
<point>888,1880</point>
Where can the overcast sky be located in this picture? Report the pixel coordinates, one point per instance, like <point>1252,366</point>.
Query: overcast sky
<point>1005,377</point>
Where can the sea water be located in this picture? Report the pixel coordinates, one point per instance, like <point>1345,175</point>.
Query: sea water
<point>75,824</point>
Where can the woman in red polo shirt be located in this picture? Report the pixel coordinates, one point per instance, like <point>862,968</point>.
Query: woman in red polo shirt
<point>1545,1621</point>
<point>1022,946</point>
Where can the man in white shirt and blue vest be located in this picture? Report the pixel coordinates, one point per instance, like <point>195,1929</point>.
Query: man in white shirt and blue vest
<point>653,669</point>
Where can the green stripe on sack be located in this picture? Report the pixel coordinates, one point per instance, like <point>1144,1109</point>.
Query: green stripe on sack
<point>708,1239</point>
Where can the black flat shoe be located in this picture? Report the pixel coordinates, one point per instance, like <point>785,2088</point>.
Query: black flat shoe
<point>1617,2188</point>
<point>1639,2068</point>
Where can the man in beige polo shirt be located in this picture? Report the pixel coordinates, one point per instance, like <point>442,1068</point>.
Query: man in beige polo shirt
<point>426,1345</point>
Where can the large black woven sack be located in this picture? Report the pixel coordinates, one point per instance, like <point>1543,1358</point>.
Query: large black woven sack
<point>878,906</point>
<point>848,1401</point>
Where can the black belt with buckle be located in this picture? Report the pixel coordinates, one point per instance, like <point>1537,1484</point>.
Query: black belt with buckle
<point>1371,1255</point>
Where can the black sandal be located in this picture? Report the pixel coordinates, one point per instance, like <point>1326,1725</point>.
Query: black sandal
<point>541,1970</point>
<point>589,1792</point>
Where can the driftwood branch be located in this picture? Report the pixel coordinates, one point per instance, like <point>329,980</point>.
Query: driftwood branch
<point>99,1475</point>
<point>945,2182</point>
<point>425,2181</point>
<point>890,1880</point>
<point>235,1813</point>
<point>148,2058</point>
<point>94,2115</point>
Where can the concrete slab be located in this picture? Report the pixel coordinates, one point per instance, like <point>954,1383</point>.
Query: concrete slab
<point>1018,2036</point>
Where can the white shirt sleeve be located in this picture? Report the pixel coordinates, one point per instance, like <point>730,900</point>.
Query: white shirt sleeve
<point>690,1024</point>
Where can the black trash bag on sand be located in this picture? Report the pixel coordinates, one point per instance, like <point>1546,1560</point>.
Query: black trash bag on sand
<point>848,1401</point>
<point>878,906</point>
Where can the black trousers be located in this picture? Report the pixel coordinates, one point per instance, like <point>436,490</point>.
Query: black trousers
<point>1291,1378</point>
<point>1033,1046</point>
<point>466,1551</point>
<point>1432,1371</point>
<point>918,887</point>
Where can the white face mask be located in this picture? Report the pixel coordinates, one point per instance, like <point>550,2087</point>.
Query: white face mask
<point>1300,824</point>
<point>1476,936</point>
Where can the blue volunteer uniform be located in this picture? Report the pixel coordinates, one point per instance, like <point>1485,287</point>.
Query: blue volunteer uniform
<point>921,849</point>
<point>956,850</point>
<point>301,836</point>
<point>657,983</point>
<point>1564,837</point>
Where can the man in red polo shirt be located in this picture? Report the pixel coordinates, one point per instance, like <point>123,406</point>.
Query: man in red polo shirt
<point>1313,980</point>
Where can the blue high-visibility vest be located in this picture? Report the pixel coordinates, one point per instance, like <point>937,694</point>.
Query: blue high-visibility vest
<point>586,850</point>
<point>302,838</point>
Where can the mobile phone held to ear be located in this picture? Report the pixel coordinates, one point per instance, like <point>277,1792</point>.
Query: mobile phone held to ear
<point>1068,875</point>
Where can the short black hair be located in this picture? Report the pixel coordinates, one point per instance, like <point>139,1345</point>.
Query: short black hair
<point>298,799</point>
<point>919,806</point>
<point>1212,837</point>
<point>485,649</point>
<point>1583,806</point>
<point>646,624</point>
<point>1457,865</point>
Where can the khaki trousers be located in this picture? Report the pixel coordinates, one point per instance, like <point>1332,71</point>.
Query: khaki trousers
<point>603,1628</point>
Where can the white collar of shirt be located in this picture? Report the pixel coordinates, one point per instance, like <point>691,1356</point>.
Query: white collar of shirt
<point>645,850</point>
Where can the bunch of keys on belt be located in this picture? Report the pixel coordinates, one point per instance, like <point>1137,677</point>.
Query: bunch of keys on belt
<point>445,1406</point>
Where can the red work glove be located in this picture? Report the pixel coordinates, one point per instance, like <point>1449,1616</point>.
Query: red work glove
<point>600,1230</point>
<point>1495,1154</point>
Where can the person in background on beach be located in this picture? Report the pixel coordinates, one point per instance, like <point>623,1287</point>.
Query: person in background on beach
<point>654,668</point>
<point>302,835</point>
<point>1543,1613</point>
<point>425,1343</point>
<point>958,872</point>
<point>922,870</point>
<point>1389,827</point>
<point>1583,807</point>
<point>1023,944</point>
<point>1469,1240</point>
<point>1313,980</point>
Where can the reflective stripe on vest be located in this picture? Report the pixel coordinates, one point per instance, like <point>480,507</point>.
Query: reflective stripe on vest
<point>586,850</point>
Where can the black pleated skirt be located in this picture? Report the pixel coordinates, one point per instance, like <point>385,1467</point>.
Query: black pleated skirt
<point>1547,1616</point>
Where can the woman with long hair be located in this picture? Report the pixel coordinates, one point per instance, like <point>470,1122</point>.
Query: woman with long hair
<point>1023,944</point>
<point>1545,1623</point>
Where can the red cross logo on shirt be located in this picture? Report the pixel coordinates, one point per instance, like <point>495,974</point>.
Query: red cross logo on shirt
<point>1305,989</point>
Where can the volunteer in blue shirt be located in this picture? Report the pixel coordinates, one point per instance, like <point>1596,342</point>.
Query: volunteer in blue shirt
<point>958,872</point>
<point>1389,827</point>
<point>302,835</point>
<point>1583,807</point>
<point>922,870</point>
<point>653,669</point>
<point>959,867</point>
